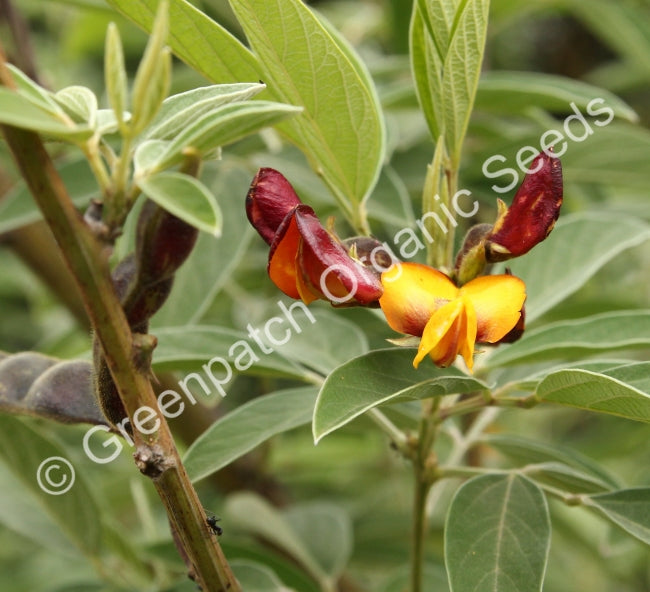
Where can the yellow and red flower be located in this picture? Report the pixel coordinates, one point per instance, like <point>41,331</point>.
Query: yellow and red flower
<point>306,261</point>
<point>421,301</point>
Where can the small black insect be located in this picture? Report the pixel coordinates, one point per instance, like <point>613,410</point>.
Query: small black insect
<point>214,527</point>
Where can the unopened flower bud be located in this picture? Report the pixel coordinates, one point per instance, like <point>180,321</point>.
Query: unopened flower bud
<point>532,215</point>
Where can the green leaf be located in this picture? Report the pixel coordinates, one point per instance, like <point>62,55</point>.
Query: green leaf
<point>327,533</point>
<point>212,261</point>
<point>381,377</point>
<point>569,339</point>
<point>527,450</point>
<point>497,535</point>
<point>325,345</point>
<point>447,45</point>
<point>246,427</point>
<point>153,75</point>
<point>564,477</point>
<point>107,121</point>
<point>253,514</point>
<point>24,450</point>
<point>255,577</point>
<point>17,112</point>
<point>623,27</point>
<point>308,64</point>
<point>221,126</point>
<point>178,111</point>
<point>597,161</point>
<point>146,155</point>
<point>578,247</point>
<point>197,40</point>
<point>24,515</point>
<point>636,374</point>
<point>185,197</point>
<point>115,73</point>
<point>17,208</point>
<point>290,534</point>
<point>595,392</point>
<point>33,92</point>
<point>512,92</point>
<point>628,508</point>
<point>190,347</point>
<point>80,102</point>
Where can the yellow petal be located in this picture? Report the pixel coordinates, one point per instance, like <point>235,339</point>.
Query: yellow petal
<point>412,294</point>
<point>468,333</point>
<point>440,336</point>
<point>497,300</point>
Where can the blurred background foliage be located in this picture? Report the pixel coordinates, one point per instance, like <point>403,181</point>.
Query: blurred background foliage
<point>352,489</point>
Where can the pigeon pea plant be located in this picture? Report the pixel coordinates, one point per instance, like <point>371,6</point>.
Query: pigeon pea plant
<point>434,339</point>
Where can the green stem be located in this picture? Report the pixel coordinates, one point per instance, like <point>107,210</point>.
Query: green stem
<point>92,154</point>
<point>462,443</point>
<point>117,206</point>
<point>419,533</point>
<point>487,399</point>
<point>425,473</point>
<point>397,436</point>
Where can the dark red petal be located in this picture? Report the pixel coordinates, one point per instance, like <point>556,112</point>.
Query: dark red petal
<point>532,215</point>
<point>328,268</point>
<point>270,198</point>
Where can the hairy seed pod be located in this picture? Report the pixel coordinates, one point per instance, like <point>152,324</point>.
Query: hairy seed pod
<point>38,385</point>
<point>105,390</point>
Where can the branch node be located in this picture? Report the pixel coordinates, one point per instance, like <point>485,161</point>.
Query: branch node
<point>151,460</point>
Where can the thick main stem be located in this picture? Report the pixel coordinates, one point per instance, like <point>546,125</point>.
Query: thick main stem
<point>84,256</point>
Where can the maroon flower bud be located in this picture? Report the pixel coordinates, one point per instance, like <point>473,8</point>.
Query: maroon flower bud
<point>163,243</point>
<point>270,198</point>
<point>532,215</point>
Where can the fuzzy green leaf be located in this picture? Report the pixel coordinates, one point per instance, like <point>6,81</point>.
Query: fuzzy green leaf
<point>512,92</point>
<point>185,197</point>
<point>596,392</point>
<point>175,351</point>
<point>306,63</point>
<point>17,208</point>
<point>255,577</point>
<point>577,248</point>
<point>197,40</point>
<point>570,339</point>
<point>17,112</point>
<point>627,508</point>
<point>222,126</point>
<point>381,377</point>
<point>178,111</point>
<point>115,73</point>
<point>246,427</point>
<point>153,75</point>
<point>497,535</point>
<point>23,448</point>
<point>447,45</point>
<point>80,102</point>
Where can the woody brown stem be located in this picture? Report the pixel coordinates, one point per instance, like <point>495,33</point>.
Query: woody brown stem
<point>156,456</point>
